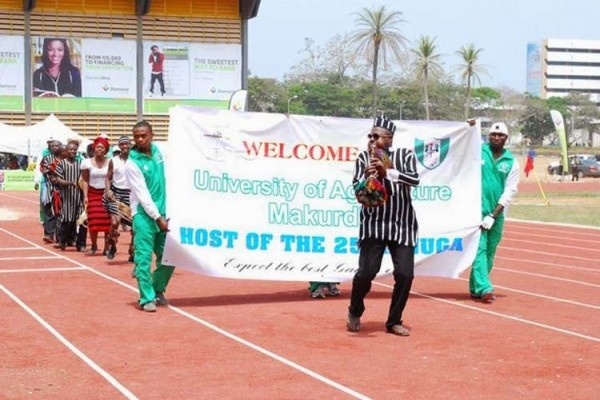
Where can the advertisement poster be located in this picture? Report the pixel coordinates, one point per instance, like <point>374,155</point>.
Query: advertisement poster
<point>270,196</point>
<point>83,75</point>
<point>16,179</point>
<point>197,74</point>
<point>12,80</point>
<point>534,69</point>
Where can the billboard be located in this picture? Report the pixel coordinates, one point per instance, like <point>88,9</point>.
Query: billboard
<point>12,78</point>
<point>83,75</point>
<point>197,74</point>
<point>534,69</point>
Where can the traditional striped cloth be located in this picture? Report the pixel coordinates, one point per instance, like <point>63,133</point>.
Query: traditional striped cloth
<point>46,191</point>
<point>98,218</point>
<point>114,208</point>
<point>395,220</point>
<point>72,200</point>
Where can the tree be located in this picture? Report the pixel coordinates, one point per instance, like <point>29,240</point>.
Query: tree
<point>264,95</point>
<point>331,62</point>
<point>470,70</point>
<point>426,66</point>
<point>377,35</point>
<point>582,113</point>
<point>535,121</point>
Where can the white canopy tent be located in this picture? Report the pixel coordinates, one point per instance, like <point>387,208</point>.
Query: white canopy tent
<point>31,140</point>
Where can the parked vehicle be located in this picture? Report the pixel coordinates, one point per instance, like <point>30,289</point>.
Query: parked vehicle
<point>588,166</point>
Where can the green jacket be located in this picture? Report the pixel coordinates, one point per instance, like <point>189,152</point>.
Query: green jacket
<point>146,177</point>
<point>494,174</point>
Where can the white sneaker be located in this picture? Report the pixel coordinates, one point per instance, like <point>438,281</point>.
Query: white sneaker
<point>149,307</point>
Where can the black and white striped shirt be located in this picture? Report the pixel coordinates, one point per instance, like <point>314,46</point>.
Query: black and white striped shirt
<point>396,219</point>
<point>72,198</point>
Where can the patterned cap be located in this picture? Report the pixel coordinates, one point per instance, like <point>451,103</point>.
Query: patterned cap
<point>385,123</point>
<point>124,139</point>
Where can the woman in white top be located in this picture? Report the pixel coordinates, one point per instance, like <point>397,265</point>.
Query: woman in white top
<point>94,171</point>
<point>116,195</point>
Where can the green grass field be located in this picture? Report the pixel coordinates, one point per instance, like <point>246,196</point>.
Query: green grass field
<point>567,208</point>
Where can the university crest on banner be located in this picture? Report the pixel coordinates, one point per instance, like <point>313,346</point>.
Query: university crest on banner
<point>432,152</point>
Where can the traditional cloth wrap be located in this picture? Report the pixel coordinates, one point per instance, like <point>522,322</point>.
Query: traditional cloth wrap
<point>371,192</point>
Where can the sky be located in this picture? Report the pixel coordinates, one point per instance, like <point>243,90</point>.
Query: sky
<point>502,28</point>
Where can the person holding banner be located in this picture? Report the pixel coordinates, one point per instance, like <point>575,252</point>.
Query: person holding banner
<point>499,181</point>
<point>146,177</point>
<point>57,76</point>
<point>391,223</point>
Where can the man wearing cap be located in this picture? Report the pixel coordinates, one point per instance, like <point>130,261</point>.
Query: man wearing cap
<point>145,174</point>
<point>392,225</point>
<point>499,180</point>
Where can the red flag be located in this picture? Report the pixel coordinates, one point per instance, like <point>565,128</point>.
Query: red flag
<point>528,165</point>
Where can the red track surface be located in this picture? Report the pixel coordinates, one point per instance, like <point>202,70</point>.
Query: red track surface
<point>70,328</point>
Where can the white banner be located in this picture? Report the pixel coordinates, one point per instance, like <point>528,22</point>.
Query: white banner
<point>12,75</point>
<point>269,196</point>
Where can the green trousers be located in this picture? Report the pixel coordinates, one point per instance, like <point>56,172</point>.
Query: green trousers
<point>149,239</point>
<point>479,280</point>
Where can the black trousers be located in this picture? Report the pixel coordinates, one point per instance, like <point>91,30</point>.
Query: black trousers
<point>66,232</point>
<point>369,264</point>
<point>159,78</point>
<point>50,221</point>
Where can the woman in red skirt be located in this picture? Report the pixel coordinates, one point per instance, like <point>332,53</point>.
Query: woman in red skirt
<point>93,171</point>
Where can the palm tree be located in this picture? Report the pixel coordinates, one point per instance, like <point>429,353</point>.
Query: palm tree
<point>378,34</point>
<point>426,65</point>
<point>470,70</point>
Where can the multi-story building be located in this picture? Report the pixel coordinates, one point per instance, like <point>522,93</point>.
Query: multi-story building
<point>557,67</point>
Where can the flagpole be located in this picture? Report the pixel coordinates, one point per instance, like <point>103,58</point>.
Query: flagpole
<point>537,178</point>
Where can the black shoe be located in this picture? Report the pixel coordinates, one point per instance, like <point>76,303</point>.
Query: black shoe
<point>161,299</point>
<point>111,252</point>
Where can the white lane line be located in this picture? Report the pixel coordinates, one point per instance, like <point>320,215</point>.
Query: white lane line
<point>549,254</point>
<point>19,198</point>
<point>231,336</point>
<point>272,355</point>
<point>543,296</point>
<point>109,378</point>
<point>546,277</point>
<point>17,248</point>
<point>497,314</point>
<point>546,244</point>
<point>511,236</point>
<point>498,257</point>
<point>28,258</point>
<point>534,223</point>
<point>12,271</point>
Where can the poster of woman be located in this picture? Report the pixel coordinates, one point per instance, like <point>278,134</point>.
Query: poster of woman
<point>57,74</point>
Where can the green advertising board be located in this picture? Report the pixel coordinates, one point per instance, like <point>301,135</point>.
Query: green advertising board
<point>16,179</point>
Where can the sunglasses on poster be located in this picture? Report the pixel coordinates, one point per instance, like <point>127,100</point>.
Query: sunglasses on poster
<point>376,136</point>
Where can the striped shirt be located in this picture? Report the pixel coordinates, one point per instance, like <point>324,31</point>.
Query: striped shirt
<point>72,198</point>
<point>396,219</point>
<point>46,191</point>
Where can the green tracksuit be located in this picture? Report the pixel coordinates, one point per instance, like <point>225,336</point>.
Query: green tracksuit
<point>148,238</point>
<point>493,178</point>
